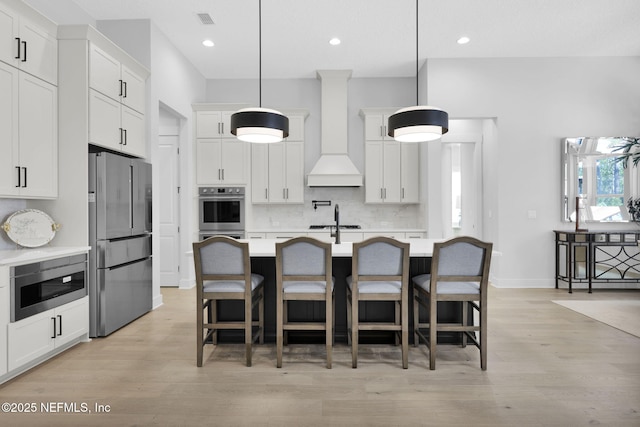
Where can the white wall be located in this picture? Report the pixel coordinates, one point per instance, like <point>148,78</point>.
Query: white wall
<point>536,103</point>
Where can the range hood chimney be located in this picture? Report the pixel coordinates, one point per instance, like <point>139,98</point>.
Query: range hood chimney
<point>334,168</point>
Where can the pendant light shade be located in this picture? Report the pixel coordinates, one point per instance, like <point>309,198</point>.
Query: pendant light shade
<point>419,123</point>
<point>259,125</point>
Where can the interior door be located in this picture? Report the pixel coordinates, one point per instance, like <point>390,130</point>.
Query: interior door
<point>169,200</point>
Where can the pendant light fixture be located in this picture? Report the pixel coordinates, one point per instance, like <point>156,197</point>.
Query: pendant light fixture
<point>419,123</point>
<point>259,125</point>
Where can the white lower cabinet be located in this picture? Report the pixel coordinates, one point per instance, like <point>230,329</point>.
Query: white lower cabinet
<point>283,235</point>
<point>38,335</point>
<point>393,235</point>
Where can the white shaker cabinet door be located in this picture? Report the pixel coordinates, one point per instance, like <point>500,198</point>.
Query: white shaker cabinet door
<point>295,172</point>
<point>8,33</point>
<point>133,132</point>
<point>9,160</point>
<point>104,72</point>
<point>277,173</point>
<point>104,121</point>
<point>260,173</point>
<point>133,90</point>
<point>234,161</point>
<point>373,175</point>
<point>410,170</point>
<point>208,162</point>
<point>30,338</point>
<point>391,172</point>
<point>73,321</point>
<point>28,46</point>
<point>40,51</point>
<point>38,132</point>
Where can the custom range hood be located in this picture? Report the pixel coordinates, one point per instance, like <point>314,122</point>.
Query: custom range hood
<point>334,168</point>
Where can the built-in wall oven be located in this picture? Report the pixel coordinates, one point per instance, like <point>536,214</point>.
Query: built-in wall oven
<point>44,285</point>
<point>221,211</point>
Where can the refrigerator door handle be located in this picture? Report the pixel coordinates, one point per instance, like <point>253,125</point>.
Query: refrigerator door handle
<point>131,196</point>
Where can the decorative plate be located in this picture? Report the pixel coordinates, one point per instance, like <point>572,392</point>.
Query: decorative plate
<point>30,228</point>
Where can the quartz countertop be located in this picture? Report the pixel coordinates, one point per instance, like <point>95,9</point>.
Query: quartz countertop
<point>29,255</point>
<point>267,247</point>
<point>355,230</point>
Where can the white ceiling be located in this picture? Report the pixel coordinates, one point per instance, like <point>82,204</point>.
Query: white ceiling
<point>378,36</point>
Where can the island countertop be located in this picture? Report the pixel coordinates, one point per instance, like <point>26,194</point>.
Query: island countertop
<point>267,247</point>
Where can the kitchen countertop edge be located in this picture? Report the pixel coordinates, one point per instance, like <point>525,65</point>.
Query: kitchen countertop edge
<point>22,256</point>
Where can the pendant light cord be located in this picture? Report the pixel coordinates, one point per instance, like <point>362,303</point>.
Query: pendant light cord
<point>260,53</point>
<point>417,83</point>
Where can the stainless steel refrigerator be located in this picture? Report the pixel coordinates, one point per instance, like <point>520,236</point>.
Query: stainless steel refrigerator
<point>120,275</point>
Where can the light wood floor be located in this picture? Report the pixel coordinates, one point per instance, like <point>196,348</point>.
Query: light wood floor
<point>547,366</point>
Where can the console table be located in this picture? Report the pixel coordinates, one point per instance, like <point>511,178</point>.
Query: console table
<point>597,257</point>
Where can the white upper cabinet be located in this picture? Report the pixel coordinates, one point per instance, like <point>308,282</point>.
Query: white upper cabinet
<point>376,126</point>
<point>101,82</point>
<point>29,135</point>
<point>115,80</point>
<point>277,170</point>
<point>221,161</point>
<point>28,41</point>
<point>214,124</point>
<point>410,172</point>
<point>392,169</point>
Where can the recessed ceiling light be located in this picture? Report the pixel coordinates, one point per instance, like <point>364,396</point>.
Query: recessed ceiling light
<point>334,41</point>
<point>208,43</point>
<point>464,40</point>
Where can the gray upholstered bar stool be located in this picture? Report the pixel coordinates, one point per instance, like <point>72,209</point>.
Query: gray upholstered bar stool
<point>223,272</point>
<point>380,272</point>
<point>303,273</point>
<point>459,272</point>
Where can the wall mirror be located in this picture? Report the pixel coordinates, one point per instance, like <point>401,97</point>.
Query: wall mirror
<point>593,170</point>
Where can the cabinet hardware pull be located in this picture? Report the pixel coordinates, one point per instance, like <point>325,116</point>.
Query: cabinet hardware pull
<point>120,94</point>
<point>60,325</point>
<point>125,137</point>
<point>266,194</point>
<point>54,327</point>
<point>219,173</point>
<point>403,192</point>
<point>219,128</point>
<point>18,40</point>
<point>121,135</point>
<point>222,127</point>
<point>25,177</point>
<point>25,51</point>
<point>125,89</point>
<point>287,194</point>
<point>381,196</point>
<point>223,174</point>
<point>19,176</point>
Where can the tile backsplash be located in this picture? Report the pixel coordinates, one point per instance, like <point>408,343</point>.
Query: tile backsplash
<point>353,210</point>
